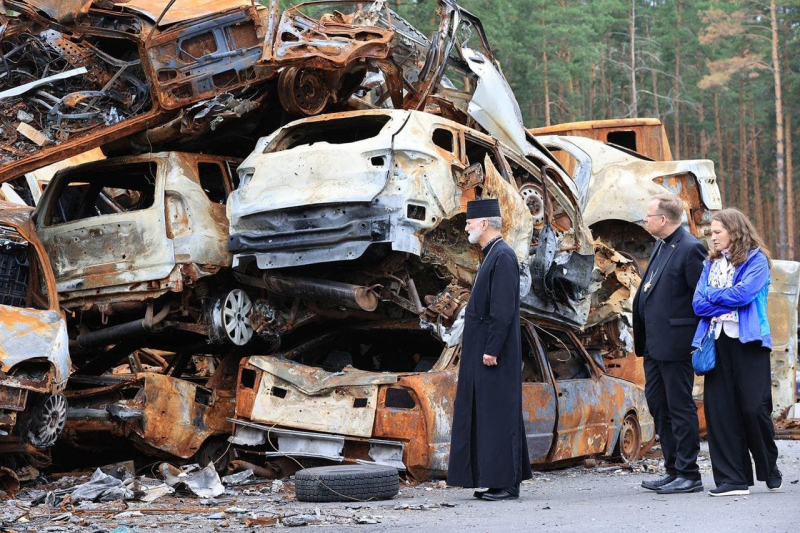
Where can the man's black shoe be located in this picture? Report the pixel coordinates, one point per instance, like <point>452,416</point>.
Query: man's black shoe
<point>726,489</point>
<point>660,482</point>
<point>775,480</point>
<point>480,492</point>
<point>681,485</point>
<point>504,494</point>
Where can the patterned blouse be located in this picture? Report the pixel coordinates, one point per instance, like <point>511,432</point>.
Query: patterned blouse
<point>721,276</point>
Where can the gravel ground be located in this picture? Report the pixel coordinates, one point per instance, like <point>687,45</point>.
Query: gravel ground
<point>600,497</point>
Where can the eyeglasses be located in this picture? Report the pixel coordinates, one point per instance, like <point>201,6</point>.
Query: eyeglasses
<point>654,215</point>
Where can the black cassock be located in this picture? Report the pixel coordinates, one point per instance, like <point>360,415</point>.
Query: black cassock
<point>488,446</point>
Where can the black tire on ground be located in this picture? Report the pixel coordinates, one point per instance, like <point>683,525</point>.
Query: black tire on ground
<point>346,483</point>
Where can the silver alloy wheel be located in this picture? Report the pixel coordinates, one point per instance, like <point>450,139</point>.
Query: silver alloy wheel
<point>236,309</point>
<point>47,421</point>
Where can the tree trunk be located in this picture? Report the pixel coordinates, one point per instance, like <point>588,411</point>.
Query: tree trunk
<point>744,192</point>
<point>780,154</point>
<point>790,200</point>
<point>653,80</point>
<point>754,141</point>
<point>603,83</point>
<point>633,108</point>
<point>544,69</point>
<point>720,157</point>
<point>592,90</point>
<point>677,83</point>
<point>790,205</point>
<point>704,140</point>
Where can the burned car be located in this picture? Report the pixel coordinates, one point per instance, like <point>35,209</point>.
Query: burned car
<point>615,184</point>
<point>159,405</point>
<point>139,244</point>
<point>362,214</point>
<point>85,74</point>
<point>363,393</point>
<point>34,356</point>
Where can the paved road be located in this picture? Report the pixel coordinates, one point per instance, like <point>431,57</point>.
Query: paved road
<point>584,500</point>
<point>577,499</point>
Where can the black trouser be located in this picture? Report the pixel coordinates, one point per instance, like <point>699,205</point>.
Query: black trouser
<point>668,388</point>
<point>738,402</point>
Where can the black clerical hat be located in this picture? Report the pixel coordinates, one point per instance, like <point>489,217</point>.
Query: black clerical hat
<point>486,208</point>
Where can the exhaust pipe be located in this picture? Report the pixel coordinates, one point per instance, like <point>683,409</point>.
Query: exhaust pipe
<point>114,334</point>
<point>334,292</point>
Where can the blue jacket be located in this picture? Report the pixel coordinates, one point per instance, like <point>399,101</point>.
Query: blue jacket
<point>748,295</point>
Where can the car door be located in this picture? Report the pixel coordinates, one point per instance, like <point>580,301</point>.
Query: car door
<point>103,224</point>
<point>583,414</point>
<point>538,399</point>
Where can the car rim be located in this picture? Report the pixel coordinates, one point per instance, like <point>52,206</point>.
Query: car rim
<point>236,311</point>
<point>630,439</point>
<point>47,421</point>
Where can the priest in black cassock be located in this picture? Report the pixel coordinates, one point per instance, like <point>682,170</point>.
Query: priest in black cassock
<point>488,445</point>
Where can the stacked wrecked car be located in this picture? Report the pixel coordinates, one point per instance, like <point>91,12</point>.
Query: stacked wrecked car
<point>270,268</point>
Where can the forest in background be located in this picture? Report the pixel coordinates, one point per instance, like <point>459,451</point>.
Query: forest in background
<point>721,75</point>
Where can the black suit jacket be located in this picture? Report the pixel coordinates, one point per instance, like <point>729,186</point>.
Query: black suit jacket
<point>665,332</point>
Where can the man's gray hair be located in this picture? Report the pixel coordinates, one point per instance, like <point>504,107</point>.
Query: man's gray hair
<point>671,206</point>
<point>495,223</point>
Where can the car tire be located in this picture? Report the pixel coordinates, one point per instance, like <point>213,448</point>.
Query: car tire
<point>215,450</point>
<point>346,483</point>
<point>629,442</point>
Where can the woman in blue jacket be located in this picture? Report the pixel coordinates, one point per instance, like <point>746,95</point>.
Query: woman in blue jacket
<point>731,301</point>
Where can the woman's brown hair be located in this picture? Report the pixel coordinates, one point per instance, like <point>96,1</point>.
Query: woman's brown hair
<point>744,236</point>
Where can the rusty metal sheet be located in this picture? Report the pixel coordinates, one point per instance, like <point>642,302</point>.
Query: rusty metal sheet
<point>63,11</point>
<point>782,313</point>
<point>181,10</point>
<point>178,416</point>
<point>333,40</point>
<point>648,134</point>
<point>295,395</point>
<point>517,219</point>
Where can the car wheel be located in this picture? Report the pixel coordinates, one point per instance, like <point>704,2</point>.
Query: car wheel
<point>231,317</point>
<point>303,91</point>
<point>346,483</point>
<point>629,444</point>
<point>216,450</point>
<point>46,421</point>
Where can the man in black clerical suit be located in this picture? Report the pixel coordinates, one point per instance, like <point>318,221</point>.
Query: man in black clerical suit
<point>663,327</point>
<point>488,447</point>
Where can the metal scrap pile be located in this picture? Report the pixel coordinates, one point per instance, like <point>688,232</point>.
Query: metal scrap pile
<point>240,288</point>
<point>52,88</point>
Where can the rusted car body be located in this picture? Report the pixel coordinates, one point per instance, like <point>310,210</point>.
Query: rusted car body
<point>349,211</point>
<point>365,394</point>
<point>137,243</point>
<point>34,357</point>
<point>162,414</point>
<point>615,186</point>
<point>91,73</point>
<point>645,136</point>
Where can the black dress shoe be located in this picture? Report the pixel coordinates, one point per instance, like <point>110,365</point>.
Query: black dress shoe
<point>504,494</point>
<point>480,492</point>
<point>660,482</point>
<point>681,485</point>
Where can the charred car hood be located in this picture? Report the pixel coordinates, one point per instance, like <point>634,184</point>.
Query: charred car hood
<point>27,334</point>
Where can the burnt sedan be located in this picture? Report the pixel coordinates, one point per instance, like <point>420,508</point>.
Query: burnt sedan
<point>368,394</point>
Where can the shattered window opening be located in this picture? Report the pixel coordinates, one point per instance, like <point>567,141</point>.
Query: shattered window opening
<point>444,139</point>
<point>626,139</point>
<point>564,357</point>
<point>375,350</point>
<point>212,181</point>
<point>337,131</point>
<point>531,371</point>
<point>21,281</point>
<point>107,191</point>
